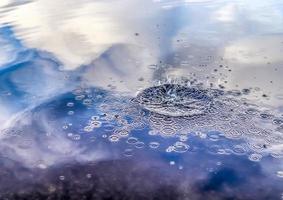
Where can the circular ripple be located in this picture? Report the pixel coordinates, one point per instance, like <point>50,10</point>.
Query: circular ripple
<point>176,100</point>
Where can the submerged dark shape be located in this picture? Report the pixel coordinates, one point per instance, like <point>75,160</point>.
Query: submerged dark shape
<point>177,100</point>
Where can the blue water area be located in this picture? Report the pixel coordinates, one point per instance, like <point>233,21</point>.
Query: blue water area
<point>148,118</point>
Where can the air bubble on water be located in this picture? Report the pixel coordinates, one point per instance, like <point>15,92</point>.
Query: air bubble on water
<point>279,174</point>
<point>183,138</point>
<point>128,152</point>
<point>65,127</point>
<point>95,118</point>
<point>265,116</point>
<point>76,137</point>
<point>254,130</point>
<point>239,150</point>
<point>71,112</point>
<point>122,132</point>
<point>219,163</point>
<point>41,166</point>
<point>70,104</point>
<point>61,178</point>
<point>79,97</point>
<point>255,157</point>
<point>88,128</point>
<point>234,134</point>
<point>87,102</point>
<point>95,124</point>
<point>213,136</point>
<point>132,140</point>
<point>180,147</point>
<point>113,138</point>
<point>276,155</point>
<point>201,134</point>
<point>170,149</point>
<point>222,152</point>
<point>257,147</point>
<point>168,131</point>
<point>139,145</point>
<point>172,163</point>
<point>152,132</point>
<point>89,176</point>
<point>277,121</point>
<point>154,145</point>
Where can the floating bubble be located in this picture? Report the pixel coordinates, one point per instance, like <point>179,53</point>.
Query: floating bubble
<point>154,145</point>
<point>168,131</point>
<point>65,127</point>
<point>128,152</point>
<point>88,128</point>
<point>87,102</point>
<point>239,150</point>
<point>95,124</point>
<point>276,155</point>
<point>70,104</point>
<point>180,147</point>
<point>95,118</point>
<point>152,132</point>
<point>255,157</point>
<point>170,149</point>
<point>213,136</point>
<point>76,137</point>
<point>113,138</point>
<point>277,121</point>
<point>258,147</point>
<point>172,163</point>
<point>122,132</point>
<point>89,176</point>
<point>183,138</point>
<point>279,174</point>
<point>266,116</point>
<point>234,134</point>
<point>71,112</point>
<point>79,97</point>
<point>139,145</point>
<point>132,140</point>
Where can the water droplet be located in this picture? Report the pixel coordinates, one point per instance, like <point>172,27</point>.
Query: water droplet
<point>76,137</point>
<point>180,147</point>
<point>71,112</point>
<point>279,174</point>
<point>255,157</point>
<point>61,178</point>
<point>132,140</point>
<point>154,145</point>
<point>128,152</point>
<point>70,104</point>
<point>139,145</point>
<point>114,138</point>
<point>95,124</point>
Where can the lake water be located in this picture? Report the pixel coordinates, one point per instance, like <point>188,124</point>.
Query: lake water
<point>141,99</point>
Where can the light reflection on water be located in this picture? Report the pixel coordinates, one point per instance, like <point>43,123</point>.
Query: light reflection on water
<point>70,123</point>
